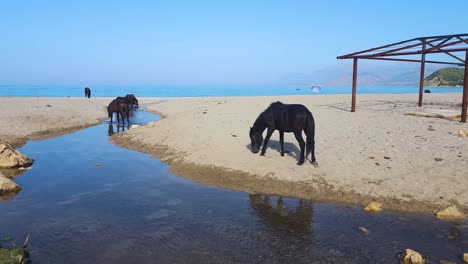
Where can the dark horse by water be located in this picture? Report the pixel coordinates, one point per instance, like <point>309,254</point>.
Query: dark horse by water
<point>120,106</point>
<point>87,92</point>
<point>132,101</point>
<point>285,118</point>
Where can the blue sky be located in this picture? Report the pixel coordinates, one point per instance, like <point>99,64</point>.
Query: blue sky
<point>202,42</point>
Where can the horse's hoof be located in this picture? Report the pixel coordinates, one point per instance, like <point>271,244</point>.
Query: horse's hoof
<point>315,163</point>
<point>282,154</point>
<point>300,163</point>
<point>262,154</point>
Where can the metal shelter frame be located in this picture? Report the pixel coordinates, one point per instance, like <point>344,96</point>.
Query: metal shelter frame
<point>415,50</point>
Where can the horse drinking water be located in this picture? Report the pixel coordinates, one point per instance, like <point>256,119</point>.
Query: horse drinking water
<point>285,118</point>
<point>120,106</point>
<point>132,101</point>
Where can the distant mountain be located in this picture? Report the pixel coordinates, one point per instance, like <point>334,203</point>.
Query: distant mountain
<point>445,77</point>
<point>368,74</point>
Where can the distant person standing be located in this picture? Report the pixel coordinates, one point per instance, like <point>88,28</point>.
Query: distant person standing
<point>87,92</point>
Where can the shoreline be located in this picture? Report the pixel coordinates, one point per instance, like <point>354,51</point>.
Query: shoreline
<point>37,118</point>
<point>378,153</point>
<point>236,180</point>
<point>361,174</point>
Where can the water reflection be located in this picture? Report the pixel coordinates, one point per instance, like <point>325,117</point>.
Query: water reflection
<point>110,130</point>
<point>275,214</point>
<point>118,128</point>
<point>6,196</point>
<point>77,212</point>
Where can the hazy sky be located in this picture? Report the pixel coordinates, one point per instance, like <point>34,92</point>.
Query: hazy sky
<point>202,42</point>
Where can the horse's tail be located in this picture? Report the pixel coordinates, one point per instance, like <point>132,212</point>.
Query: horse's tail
<point>310,133</point>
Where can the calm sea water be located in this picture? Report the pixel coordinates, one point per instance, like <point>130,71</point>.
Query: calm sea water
<point>207,90</point>
<point>132,210</point>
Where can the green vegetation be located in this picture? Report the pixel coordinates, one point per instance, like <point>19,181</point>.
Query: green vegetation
<point>13,256</point>
<point>445,77</point>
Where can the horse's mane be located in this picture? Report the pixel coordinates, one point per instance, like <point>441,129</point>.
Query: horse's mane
<point>272,106</point>
<point>275,104</point>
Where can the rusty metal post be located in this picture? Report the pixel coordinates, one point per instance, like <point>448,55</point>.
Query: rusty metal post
<point>465,90</point>
<point>421,76</point>
<point>353,100</point>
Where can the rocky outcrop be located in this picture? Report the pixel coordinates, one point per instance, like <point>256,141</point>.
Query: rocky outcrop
<point>412,257</point>
<point>7,185</point>
<point>11,158</point>
<point>373,207</point>
<point>450,213</point>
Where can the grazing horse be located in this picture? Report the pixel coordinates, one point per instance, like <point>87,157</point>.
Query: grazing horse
<point>132,101</point>
<point>120,106</point>
<point>87,92</point>
<point>285,118</point>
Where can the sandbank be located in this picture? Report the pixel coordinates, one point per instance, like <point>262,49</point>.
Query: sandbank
<point>30,118</point>
<point>408,162</point>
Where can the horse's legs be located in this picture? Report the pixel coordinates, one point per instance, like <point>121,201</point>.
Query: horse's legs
<point>299,138</point>
<point>128,115</point>
<point>267,138</point>
<point>118,118</point>
<point>312,150</point>
<point>122,115</point>
<point>282,142</point>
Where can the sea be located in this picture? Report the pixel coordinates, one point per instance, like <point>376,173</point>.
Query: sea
<point>204,90</point>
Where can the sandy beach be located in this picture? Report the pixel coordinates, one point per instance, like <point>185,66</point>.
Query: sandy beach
<point>409,163</point>
<point>30,118</point>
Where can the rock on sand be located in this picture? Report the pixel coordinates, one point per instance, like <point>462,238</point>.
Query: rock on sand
<point>11,158</point>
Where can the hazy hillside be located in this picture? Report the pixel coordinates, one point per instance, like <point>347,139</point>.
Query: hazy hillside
<point>445,77</point>
<point>369,73</point>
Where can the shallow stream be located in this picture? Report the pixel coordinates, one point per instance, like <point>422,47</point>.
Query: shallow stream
<point>86,200</point>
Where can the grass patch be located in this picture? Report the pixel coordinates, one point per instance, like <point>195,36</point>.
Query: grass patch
<point>13,256</point>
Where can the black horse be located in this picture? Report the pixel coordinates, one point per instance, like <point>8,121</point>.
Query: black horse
<point>120,106</point>
<point>285,118</point>
<point>132,101</point>
<point>87,92</point>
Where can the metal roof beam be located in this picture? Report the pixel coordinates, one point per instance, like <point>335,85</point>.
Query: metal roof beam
<point>410,60</point>
<point>449,54</point>
<point>348,56</point>
<point>406,47</point>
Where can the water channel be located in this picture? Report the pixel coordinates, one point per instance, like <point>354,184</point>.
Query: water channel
<point>86,200</point>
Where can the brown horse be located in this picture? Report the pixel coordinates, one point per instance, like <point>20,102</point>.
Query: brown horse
<point>132,101</point>
<point>87,92</point>
<point>120,106</point>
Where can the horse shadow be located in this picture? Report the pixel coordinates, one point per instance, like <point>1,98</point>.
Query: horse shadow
<point>290,149</point>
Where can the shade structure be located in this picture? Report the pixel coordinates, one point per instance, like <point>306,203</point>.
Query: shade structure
<point>454,49</point>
